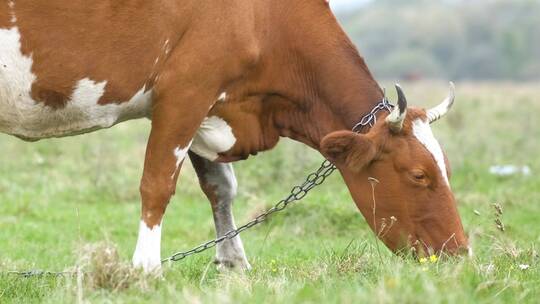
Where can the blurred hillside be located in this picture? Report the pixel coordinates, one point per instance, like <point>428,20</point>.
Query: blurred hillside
<point>452,39</point>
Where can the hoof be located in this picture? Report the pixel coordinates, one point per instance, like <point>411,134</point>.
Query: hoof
<point>239,264</point>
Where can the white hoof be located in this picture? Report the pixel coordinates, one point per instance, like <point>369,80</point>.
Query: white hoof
<point>147,264</point>
<point>147,252</point>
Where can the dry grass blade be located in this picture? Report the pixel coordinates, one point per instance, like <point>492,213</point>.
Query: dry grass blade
<point>104,269</point>
<point>498,214</point>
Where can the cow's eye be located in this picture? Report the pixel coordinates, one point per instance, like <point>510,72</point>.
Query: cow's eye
<point>418,176</point>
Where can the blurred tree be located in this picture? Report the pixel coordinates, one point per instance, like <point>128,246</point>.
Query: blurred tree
<point>470,39</point>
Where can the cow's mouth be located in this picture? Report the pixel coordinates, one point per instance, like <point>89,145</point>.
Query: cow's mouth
<point>422,247</point>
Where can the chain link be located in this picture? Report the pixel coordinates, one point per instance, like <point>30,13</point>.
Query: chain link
<point>297,193</point>
<point>371,118</point>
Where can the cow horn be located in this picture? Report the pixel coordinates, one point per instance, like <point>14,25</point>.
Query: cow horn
<point>397,117</point>
<point>439,111</point>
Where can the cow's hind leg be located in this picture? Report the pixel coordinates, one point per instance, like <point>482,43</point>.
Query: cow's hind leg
<point>219,184</point>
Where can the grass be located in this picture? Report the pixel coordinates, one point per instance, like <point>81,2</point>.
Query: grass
<point>61,199</point>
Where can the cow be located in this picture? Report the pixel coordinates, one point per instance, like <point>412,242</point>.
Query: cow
<point>221,80</point>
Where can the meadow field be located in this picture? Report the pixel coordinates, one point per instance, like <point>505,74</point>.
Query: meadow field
<point>68,204</point>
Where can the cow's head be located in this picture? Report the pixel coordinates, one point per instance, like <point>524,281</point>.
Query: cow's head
<point>398,176</point>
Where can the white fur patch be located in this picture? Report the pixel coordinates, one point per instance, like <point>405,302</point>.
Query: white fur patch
<point>422,131</point>
<point>213,137</point>
<point>22,116</point>
<point>180,154</point>
<point>148,250</point>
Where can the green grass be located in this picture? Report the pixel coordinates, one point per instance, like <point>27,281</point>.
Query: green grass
<point>56,196</point>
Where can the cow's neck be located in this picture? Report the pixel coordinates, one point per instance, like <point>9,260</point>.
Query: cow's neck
<point>340,105</point>
<point>328,85</point>
<point>307,82</point>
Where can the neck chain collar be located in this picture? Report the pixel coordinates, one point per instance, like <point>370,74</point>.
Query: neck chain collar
<point>370,119</point>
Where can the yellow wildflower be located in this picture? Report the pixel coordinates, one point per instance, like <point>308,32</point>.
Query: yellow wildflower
<point>423,260</point>
<point>273,265</point>
<point>433,258</point>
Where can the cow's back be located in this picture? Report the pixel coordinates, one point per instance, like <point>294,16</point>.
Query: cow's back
<point>68,67</point>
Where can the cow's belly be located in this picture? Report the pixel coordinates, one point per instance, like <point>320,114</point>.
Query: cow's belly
<point>25,118</point>
<point>22,116</point>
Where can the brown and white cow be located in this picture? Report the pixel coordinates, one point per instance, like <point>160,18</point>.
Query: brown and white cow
<point>223,79</point>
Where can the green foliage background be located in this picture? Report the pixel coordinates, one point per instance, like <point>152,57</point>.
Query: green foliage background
<point>470,39</point>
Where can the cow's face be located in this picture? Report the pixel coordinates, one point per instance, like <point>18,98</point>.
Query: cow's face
<point>398,176</point>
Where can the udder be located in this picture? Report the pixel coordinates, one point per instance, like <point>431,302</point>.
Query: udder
<point>214,136</point>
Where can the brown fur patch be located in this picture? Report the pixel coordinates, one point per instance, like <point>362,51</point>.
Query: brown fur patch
<point>102,42</point>
<point>5,15</point>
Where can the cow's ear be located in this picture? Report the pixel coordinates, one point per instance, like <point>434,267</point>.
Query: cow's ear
<point>349,149</point>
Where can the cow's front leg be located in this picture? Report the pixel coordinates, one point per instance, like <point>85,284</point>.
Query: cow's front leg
<point>177,114</point>
<point>219,184</point>
<point>164,157</point>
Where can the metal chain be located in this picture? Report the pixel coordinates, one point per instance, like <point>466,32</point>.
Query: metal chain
<point>371,118</point>
<point>40,273</point>
<point>297,193</point>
